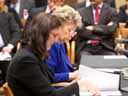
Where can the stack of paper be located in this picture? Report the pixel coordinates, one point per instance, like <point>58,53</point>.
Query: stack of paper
<point>114,57</point>
<point>5,56</point>
<point>108,83</point>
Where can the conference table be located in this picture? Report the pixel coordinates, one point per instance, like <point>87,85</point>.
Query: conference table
<point>115,62</point>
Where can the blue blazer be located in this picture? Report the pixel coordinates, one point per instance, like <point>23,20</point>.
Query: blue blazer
<point>59,62</point>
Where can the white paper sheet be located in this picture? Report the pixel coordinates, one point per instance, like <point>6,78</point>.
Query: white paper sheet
<point>109,70</point>
<point>103,93</point>
<point>5,57</point>
<point>115,57</point>
<point>106,82</point>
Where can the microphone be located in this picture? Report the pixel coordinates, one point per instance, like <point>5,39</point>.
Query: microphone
<point>121,50</point>
<point>119,40</point>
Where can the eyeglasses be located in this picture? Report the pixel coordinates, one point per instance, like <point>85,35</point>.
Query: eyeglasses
<point>72,31</point>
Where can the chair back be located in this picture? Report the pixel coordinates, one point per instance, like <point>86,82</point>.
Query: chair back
<point>124,32</point>
<point>68,48</point>
<point>117,34</point>
<point>122,25</point>
<point>119,3</point>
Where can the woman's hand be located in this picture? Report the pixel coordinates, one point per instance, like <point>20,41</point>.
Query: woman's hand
<point>73,75</point>
<point>90,86</point>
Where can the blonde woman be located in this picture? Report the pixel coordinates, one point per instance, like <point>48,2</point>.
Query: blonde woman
<point>58,60</point>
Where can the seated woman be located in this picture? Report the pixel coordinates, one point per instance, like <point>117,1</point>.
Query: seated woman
<point>58,60</point>
<point>28,73</point>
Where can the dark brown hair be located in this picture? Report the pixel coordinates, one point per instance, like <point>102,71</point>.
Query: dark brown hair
<point>38,31</point>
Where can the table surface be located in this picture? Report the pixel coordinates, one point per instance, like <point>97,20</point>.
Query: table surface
<point>100,62</point>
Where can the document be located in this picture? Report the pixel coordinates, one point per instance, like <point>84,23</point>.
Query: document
<point>5,57</point>
<point>107,83</point>
<point>115,57</point>
<point>109,70</point>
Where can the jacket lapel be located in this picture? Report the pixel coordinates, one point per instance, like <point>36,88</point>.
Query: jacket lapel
<point>49,74</point>
<point>90,15</point>
<point>102,13</point>
<point>21,7</point>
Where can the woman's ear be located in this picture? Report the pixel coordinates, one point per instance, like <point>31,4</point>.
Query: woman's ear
<point>5,8</point>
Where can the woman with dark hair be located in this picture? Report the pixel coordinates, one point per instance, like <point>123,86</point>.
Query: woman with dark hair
<point>28,73</point>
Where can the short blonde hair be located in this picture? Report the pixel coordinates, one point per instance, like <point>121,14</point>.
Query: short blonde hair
<point>4,8</point>
<point>68,14</point>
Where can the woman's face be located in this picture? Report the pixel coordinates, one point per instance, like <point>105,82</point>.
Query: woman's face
<point>66,32</point>
<point>61,34</point>
<point>53,37</point>
<point>14,1</point>
<point>53,4</point>
<point>1,3</point>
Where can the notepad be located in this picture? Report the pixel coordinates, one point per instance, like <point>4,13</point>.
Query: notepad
<point>108,83</point>
<point>5,57</point>
<point>109,70</point>
<point>115,57</point>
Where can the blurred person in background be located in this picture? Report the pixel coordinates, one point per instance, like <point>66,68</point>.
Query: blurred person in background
<point>21,5</point>
<point>52,5</point>
<point>40,3</point>
<point>123,13</point>
<point>9,35</point>
<point>16,16</point>
<point>96,35</point>
<point>86,3</point>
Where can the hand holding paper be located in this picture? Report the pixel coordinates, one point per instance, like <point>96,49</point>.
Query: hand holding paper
<point>5,56</point>
<point>6,49</point>
<point>105,81</point>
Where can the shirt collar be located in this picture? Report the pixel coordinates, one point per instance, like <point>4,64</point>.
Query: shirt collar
<point>47,10</point>
<point>100,6</point>
<point>87,3</point>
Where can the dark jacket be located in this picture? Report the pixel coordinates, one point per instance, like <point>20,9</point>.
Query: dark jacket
<point>16,16</point>
<point>28,75</point>
<point>102,32</point>
<point>33,13</point>
<point>79,5</point>
<point>40,3</point>
<point>123,17</point>
<point>82,4</point>
<point>9,29</point>
<point>24,4</point>
<point>110,2</point>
